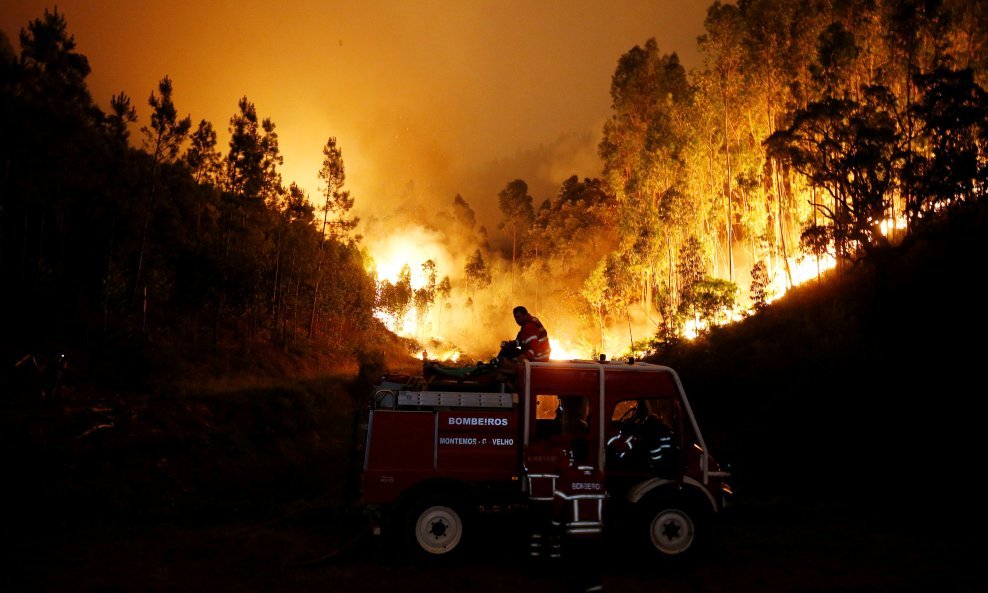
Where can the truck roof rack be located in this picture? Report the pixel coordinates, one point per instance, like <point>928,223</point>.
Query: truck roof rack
<point>456,399</point>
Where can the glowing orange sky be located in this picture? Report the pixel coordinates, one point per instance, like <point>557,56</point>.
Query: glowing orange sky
<point>426,98</point>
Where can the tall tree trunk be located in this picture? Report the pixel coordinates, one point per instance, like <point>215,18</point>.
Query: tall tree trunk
<point>780,194</point>
<point>816,255</point>
<point>145,228</point>
<point>275,293</point>
<point>106,277</point>
<point>730,216</point>
<point>295,305</point>
<point>315,301</point>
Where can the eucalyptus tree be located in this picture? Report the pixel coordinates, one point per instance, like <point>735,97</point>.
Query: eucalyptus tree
<point>777,57</point>
<point>594,293</point>
<point>477,273</point>
<point>396,298</point>
<point>715,300</point>
<point>516,208</point>
<point>443,290</point>
<point>833,69</point>
<point>571,231</point>
<point>760,286</point>
<point>703,213</point>
<point>424,297</point>
<point>463,213</point>
<point>643,154</point>
<point>722,48</point>
<point>691,269</point>
<point>968,36</point>
<point>705,298</point>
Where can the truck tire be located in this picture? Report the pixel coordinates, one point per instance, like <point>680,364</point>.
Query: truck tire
<point>672,531</point>
<point>434,527</point>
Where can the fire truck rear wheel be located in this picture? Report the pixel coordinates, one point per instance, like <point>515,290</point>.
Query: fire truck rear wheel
<point>672,531</point>
<point>435,527</point>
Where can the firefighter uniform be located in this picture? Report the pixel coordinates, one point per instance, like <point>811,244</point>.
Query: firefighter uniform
<point>541,487</point>
<point>578,503</point>
<point>578,524</point>
<point>533,340</point>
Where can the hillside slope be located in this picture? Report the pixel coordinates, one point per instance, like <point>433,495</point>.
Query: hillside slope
<point>860,390</point>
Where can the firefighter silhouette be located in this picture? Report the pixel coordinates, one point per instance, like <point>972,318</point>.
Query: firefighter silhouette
<point>643,442</point>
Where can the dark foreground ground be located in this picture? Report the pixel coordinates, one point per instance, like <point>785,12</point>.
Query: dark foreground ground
<point>776,546</point>
<point>244,493</point>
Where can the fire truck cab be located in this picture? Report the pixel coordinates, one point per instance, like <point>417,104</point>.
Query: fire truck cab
<point>438,451</point>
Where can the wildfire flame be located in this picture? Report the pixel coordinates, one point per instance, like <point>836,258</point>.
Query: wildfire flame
<point>414,246</point>
<point>564,350</point>
<point>802,270</point>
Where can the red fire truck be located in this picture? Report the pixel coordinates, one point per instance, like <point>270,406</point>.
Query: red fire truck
<point>441,449</point>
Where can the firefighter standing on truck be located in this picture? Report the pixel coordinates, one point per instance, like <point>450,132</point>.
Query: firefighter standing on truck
<point>578,519</point>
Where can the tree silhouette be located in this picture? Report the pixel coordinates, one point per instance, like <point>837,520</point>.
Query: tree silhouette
<point>338,202</point>
<point>162,140</point>
<point>477,274</point>
<point>952,110</point>
<point>851,151</point>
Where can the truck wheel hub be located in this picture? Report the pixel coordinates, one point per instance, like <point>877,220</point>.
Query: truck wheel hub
<point>438,529</point>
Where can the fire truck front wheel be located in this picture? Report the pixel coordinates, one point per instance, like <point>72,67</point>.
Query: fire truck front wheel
<point>673,529</point>
<point>434,526</point>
